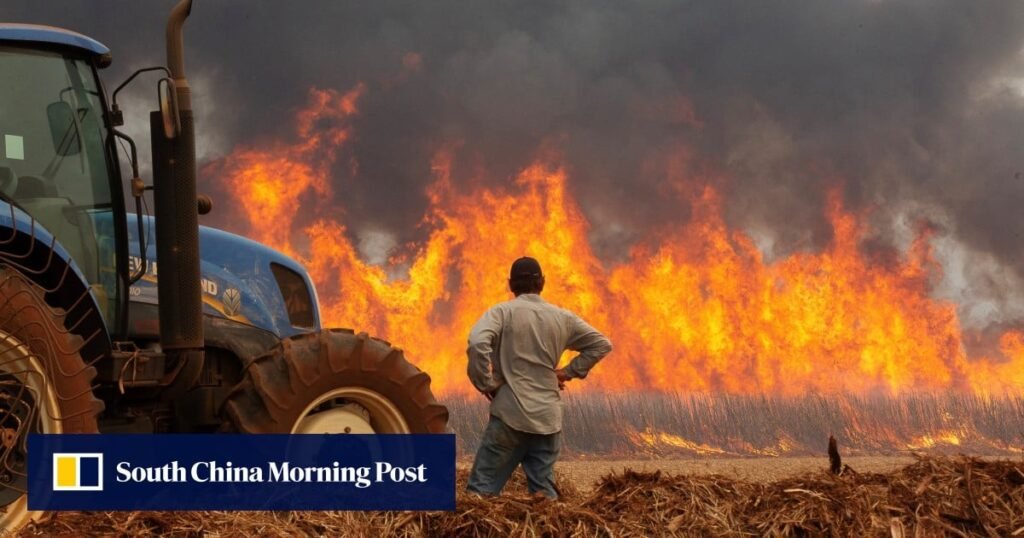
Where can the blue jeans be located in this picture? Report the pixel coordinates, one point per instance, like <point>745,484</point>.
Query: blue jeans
<point>502,449</point>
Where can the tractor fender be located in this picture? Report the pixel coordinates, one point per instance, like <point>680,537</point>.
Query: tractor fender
<point>29,248</point>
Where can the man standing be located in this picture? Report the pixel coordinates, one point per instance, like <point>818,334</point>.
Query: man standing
<point>513,360</point>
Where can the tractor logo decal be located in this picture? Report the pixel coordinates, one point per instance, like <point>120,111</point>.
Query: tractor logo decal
<point>232,301</point>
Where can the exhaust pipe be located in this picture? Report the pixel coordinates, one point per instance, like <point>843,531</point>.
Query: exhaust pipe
<point>177,223</point>
<point>176,52</point>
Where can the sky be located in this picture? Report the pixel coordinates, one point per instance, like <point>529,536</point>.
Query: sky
<point>914,109</point>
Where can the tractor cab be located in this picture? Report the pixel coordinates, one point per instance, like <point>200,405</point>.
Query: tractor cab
<point>55,162</point>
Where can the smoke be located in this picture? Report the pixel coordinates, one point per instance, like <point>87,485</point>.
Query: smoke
<point>915,107</point>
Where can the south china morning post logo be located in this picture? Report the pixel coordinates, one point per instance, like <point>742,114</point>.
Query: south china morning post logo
<point>241,472</point>
<point>77,471</point>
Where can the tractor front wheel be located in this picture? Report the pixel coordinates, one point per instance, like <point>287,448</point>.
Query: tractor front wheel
<point>334,381</point>
<point>45,387</point>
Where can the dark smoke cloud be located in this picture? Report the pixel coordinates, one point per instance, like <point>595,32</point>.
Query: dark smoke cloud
<point>915,107</point>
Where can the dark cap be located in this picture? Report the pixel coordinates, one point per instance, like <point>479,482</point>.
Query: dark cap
<point>525,267</point>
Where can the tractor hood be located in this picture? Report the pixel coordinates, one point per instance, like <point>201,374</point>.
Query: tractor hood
<point>242,280</point>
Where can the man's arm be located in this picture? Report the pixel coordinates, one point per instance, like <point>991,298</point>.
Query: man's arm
<point>591,345</point>
<point>481,351</point>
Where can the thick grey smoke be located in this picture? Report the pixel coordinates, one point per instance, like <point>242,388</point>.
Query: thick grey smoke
<point>915,107</point>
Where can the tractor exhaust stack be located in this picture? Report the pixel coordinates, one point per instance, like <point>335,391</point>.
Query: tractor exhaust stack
<point>177,219</point>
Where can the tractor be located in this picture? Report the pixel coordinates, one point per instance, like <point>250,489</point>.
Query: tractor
<point>117,322</point>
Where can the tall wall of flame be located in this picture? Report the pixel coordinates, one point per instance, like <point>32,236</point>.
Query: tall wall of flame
<point>694,307</point>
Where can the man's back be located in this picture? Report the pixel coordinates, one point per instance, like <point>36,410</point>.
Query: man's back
<point>523,340</point>
<point>513,359</point>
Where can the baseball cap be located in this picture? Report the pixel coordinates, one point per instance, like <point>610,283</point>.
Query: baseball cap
<point>525,267</point>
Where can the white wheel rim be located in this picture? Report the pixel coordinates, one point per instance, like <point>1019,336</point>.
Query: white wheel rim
<point>17,360</point>
<point>384,416</point>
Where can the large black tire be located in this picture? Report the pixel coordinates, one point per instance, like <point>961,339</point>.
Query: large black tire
<point>33,338</point>
<point>277,388</point>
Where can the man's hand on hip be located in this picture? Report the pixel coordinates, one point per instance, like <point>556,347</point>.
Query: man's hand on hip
<point>494,392</point>
<point>563,377</point>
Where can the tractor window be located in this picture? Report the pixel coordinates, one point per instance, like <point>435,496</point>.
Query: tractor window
<point>53,162</point>
<point>296,296</point>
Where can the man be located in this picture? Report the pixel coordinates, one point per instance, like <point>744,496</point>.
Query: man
<point>513,360</point>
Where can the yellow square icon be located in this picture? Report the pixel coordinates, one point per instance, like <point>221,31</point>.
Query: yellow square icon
<point>77,471</point>
<point>67,471</point>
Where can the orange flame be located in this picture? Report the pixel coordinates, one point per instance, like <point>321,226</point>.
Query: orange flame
<point>928,441</point>
<point>652,440</point>
<point>695,309</point>
<point>274,182</point>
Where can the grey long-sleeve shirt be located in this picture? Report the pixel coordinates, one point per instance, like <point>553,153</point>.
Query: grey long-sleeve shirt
<point>515,348</point>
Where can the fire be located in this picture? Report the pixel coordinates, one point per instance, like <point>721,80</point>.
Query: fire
<point>928,441</point>
<point>696,308</point>
<point>656,441</point>
<point>274,182</point>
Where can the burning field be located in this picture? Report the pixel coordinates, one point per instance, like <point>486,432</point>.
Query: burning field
<point>720,351</point>
<point>695,307</point>
<point>723,348</point>
<point>846,332</point>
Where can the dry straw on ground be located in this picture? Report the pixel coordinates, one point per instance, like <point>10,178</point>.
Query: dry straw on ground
<point>931,497</point>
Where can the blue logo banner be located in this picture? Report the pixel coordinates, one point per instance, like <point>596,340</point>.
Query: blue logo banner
<point>241,472</point>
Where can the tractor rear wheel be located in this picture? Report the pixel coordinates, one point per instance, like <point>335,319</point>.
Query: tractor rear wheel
<point>334,381</point>
<point>45,386</point>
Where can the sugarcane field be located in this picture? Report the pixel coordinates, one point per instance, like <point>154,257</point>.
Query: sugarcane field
<point>589,268</point>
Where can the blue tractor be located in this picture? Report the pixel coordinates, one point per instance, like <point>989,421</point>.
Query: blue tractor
<point>115,322</point>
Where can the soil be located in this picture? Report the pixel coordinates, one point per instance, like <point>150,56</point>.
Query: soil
<point>586,472</point>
